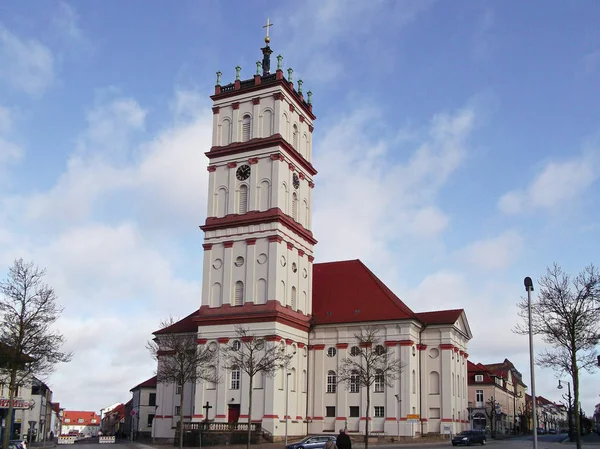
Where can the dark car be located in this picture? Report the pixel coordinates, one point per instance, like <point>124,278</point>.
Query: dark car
<point>469,437</point>
<point>312,442</point>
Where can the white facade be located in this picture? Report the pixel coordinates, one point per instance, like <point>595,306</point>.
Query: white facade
<point>258,272</point>
<point>144,406</point>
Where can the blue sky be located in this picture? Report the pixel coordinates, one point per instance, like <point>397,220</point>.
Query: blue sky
<point>457,145</point>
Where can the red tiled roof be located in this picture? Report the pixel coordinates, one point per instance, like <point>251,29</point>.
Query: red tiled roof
<point>150,383</point>
<point>186,324</point>
<point>74,416</point>
<point>348,292</point>
<point>440,316</point>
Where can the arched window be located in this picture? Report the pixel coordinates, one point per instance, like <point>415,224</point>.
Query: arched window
<point>264,197</point>
<point>282,295</point>
<point>267,123</point>
<point>295,137</point>
<point>379,381</point>
<point>239,294</point>
<point>221,202</point>
<point>225,132</point>
<point>293,299</point>
<point>243,199</point>
<point>434,382</point>
<point>331,382</point>
<point>246,124</point>
<point>303,381</point>
<point>235,378</point>
<point>354,382</point>
<point>261,293</point>
<point>292,379</point>
<point>295,206</point>
<point>216,295</point>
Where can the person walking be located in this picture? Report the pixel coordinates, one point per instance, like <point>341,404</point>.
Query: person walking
<point>343,440</point>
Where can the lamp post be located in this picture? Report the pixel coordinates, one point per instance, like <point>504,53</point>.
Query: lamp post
<point>569,410</point>
<point>43,430</point>
<point>529,288</point>
<point>399,411</point>
<point>287,394</point>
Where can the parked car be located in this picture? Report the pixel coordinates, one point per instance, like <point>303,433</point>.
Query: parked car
<point>312,442</point>
<point>552,431</point>
<point>541,431</point>
<point>468,437</point>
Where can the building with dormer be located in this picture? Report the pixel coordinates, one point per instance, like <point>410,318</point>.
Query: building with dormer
<point>259,272</point>
<point>80,423</point>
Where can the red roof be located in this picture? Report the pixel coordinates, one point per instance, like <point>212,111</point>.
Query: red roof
<point>186,324</point>
<point>150,383</point>
<point>348,292</point>
<point>74,416</point>
<point>440,316</point>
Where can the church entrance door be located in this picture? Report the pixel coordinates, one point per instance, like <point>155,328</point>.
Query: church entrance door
<point>233,413</point>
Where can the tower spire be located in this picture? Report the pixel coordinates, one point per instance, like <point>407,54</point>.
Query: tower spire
<point>266,50</point>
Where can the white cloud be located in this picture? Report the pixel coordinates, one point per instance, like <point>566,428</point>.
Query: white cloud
<point>66,20</point>
<point>496,253</point>
<point>558,183</point>
<point>370,192</point>
<point>5,120</point>
<point>9,151</point>
<point>27,65</point>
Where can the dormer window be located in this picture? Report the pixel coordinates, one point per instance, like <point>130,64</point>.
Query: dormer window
<point>479,378</point>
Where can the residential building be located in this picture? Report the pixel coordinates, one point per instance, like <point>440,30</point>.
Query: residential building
<point>143,407</point>
<point>80,422</point>
<point>259,273</point>
<point>496,397</point>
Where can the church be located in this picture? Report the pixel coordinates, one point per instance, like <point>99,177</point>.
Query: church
<point>260,272</point>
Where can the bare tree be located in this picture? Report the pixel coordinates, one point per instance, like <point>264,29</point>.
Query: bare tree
<point>181,361</point>
<point>29,345</point>
<point>491,412</point>
<point>253,356</point>
<point>370,363</point>
<point>566,314</point>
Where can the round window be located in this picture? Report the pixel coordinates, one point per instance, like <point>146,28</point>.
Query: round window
<point>217,263</point>
<point>262,258</point>
<point>354,350</point>
<point>294,267</point>
<point>434,353</point>
<point>331,352</point>
<point>283,261</point>
<point>212,346</point>
<point>239,261</point>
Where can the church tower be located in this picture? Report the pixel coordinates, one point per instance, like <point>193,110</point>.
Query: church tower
<point>258,243</point>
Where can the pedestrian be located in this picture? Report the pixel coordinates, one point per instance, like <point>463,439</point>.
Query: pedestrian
<point>343,440</point>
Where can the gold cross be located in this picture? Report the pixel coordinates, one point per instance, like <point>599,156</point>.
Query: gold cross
<point>267,26</point>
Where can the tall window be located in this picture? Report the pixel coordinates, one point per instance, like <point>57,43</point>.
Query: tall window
<point>239,294</point>
<point>295,206</point>
<point>152,399</point>
<point>479,396</point>
<point>434,382</point>
<point>331,382</point>
<point>379,412</point>
<point>293,299</point>
<point>246,122</point>
<point>243,199</point>
<point>177,411</point>
<point>379,381</point>
<point>178,389</point>
<point>295,137</point>
<point>354,382</point>
<point>235,379</point>
<point>150,420</point>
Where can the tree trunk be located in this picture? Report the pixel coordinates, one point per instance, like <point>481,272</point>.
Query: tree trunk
<point>9,417</point>
<point>181,417</point>
<point>249,411</point>
<point>576,401</point>
<point>367,418</point>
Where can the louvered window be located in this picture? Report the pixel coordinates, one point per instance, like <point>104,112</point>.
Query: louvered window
<point>293,298</point>
<point>295,207</point>
<point>239,294</point>
<point>246,128</point>
<point>243,204</point>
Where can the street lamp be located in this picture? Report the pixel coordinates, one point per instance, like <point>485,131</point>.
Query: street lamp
<point>569,410</point>
<point>287,394</point>
<point>399,411</point>
<point>529,288</point>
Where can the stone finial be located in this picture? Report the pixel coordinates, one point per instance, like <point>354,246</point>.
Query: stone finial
<point>300,82</point>
<point>279,61</point>
<point>237,72</point>
<point>219,78</point>
<point>290,71</point>
<point>309,93</point>
<point>258,67</point>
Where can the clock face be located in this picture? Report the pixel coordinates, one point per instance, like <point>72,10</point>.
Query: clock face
<point>243,172</point>
<point>296,181</point>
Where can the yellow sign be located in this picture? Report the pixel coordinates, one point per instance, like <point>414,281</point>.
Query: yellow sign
<point>413,416</point>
